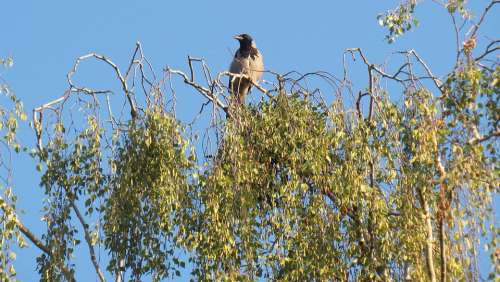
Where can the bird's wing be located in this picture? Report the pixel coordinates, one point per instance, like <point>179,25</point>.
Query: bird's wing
<point>240,64</point>
<point>257,67</point>
<point>236,65</point>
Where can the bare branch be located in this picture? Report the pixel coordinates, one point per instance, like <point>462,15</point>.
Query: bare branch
<point>480,139</point>
<point>88,240</point>
<point>190,62</point>
<point>123,81</point>
<point>202,90</point>
<point>38,111</point>
<point>457,36</point>
<point>488,50</point>
<point>475,28</point>
<point>370,112</point>
<point>239,75</point>
<point>436,81</point>
<point>375,68</point>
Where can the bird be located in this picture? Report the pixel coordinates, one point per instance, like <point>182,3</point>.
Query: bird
<point>247,60</point>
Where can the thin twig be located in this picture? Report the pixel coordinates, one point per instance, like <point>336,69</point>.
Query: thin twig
<point>375,68</point>
<point>475,28</point>
<point>488,50</point>
<point>436,81</point>
<point>128,94</point>
<point>202,90</point>
<point>88,240</point>
<point>457,36</point>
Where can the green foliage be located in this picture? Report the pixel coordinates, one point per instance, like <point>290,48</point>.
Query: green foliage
<point>147,189</point>
<point>457,5</point>
<point>138,198</point>
<point>472,100</point>
<point>11,111</point>
<point>9,234</point>
<point>8,63</point>
<point>399,20</point>
<point>471,106</point>
<point>73,173</point>
<point>298,190</point>
<point>291,196</point>
<point>265,167</point>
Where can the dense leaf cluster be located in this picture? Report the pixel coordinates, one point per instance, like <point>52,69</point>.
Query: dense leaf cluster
<point>298,189</point>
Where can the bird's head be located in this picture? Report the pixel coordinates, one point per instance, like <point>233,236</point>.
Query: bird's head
<point>246,41</point>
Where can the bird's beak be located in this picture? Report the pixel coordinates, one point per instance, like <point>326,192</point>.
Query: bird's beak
<point>238,37</point>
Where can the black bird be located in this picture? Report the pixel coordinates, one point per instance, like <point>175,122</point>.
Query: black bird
<point>247,60</point>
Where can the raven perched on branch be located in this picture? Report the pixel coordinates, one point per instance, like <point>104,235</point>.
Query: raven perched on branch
<point>247,60</point>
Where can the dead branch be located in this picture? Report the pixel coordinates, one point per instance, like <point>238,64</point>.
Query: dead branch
<point>123,80</point>
<point>202,90</point>
<point>73,88</point>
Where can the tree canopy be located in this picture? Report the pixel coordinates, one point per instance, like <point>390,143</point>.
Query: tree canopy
<point>296,187</point>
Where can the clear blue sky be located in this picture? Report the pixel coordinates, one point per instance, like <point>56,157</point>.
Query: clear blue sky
<point>45,37</point>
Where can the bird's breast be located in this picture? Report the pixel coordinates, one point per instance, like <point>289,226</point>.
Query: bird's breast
<point>248,62</point>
